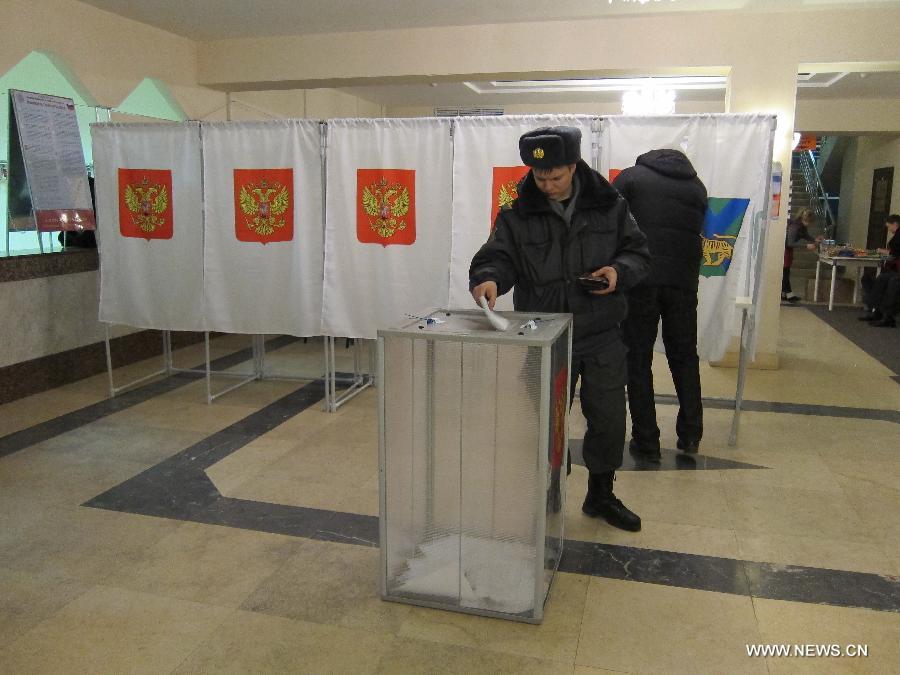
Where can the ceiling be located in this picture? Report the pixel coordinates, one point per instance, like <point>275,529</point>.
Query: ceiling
<point>205,20</point>
<point>458,94</point>
<point>220,19</point>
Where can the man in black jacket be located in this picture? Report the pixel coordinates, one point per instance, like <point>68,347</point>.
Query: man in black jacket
<point>669,202</point>
<point>569,222</point>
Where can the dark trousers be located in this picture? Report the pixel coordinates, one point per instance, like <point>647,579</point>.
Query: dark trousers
<point>602,397</point>
<point>876,293</point>
<point>890,301</point>
<point>786,280</point>
<point>678,310</point>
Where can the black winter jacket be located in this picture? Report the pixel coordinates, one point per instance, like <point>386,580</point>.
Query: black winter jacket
<point>533,250</point>
<point>668,202</point>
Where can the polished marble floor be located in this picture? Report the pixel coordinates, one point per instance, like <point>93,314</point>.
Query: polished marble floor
<point>154,533</point>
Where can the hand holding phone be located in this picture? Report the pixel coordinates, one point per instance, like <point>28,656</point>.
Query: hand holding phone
<point>590,283</point>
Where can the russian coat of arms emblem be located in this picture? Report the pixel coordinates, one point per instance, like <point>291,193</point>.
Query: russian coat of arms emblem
<point>264,205</point>
<point>145,203</point>
<point>386,206</point>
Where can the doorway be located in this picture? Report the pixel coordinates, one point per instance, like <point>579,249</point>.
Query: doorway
<point>879,207</point>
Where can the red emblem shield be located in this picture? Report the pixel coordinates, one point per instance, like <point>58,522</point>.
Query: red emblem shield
<point>504,191</point>
<point>386,206</point>
<point>264,205</point>
<point>145,203</point>
<point>558,419</point>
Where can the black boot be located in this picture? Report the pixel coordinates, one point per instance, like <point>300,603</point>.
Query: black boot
<point>873,315</point>
<point>643,453</point>
<point>688,445</point>
<point>600,502</point>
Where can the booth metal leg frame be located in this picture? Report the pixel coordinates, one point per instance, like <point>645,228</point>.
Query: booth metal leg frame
<point>165,370</point>
<point>357,381</point>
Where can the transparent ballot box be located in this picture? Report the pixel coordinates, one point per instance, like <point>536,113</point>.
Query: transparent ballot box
<point>472,442</point>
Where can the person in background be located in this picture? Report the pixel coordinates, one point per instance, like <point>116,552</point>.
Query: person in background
<point>890,304</point>
<point>569,223</point>
<point>880,296</point>
<point>669,202</point>
<point>795,235</point>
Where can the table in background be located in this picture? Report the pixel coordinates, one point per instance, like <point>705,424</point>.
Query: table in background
<point>858,262</point>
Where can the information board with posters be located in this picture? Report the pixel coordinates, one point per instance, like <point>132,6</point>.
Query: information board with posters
<point>48,177</point>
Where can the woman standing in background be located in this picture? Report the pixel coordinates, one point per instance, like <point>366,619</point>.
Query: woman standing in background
<point>797,232</point>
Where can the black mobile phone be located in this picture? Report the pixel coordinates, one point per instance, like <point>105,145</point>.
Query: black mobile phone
<point>590,283</point>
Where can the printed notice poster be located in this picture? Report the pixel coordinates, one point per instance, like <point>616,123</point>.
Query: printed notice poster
<point>49,146</point>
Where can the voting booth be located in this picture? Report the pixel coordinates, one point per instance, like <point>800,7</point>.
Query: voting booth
<point>472,445</point>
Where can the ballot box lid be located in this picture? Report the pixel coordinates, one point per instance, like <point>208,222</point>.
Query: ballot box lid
<point>525,328</point>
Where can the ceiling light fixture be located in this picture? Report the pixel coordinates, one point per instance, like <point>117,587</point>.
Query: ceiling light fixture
<point>649,100</point>
<point>602,84</point>
<point>808,79</point>
<point>643,2</point>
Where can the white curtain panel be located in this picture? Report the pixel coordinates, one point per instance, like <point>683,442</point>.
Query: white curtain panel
<point>485,155</point>
<point>263,227</point>
<point>745,142</point>
<point>732,156</point>
<point>149,207</point>
<point>387,222</point>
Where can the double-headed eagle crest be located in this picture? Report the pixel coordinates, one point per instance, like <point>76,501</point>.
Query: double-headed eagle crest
<point>147,203</point>
<point>507,194</point>
<point>264,206</point>
<point>386,205</point>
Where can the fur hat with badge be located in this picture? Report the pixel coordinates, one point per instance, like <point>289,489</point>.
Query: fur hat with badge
<point>549,147</point>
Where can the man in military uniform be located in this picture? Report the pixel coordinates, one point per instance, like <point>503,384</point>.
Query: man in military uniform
<point>568,223</point>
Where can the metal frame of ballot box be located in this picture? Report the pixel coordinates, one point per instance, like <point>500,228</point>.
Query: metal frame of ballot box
<point>473,436</point>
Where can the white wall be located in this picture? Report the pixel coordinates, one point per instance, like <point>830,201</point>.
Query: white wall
<point>840,116</point>
<point>305,103</point>
<point>643,44</point>
<point>864,155</point>
<point>681,107</point>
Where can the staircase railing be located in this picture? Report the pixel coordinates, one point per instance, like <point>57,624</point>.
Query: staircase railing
<point>818,197</point>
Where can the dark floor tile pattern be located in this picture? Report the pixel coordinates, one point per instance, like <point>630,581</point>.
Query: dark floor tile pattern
<point>738,577</point>
<point>79,418</point>
<point>875,414</point>
<point>179,488</point>
<point>83,416</point>
<point>705,573</point>
<point>670,460</point>
<point>44,373</point>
